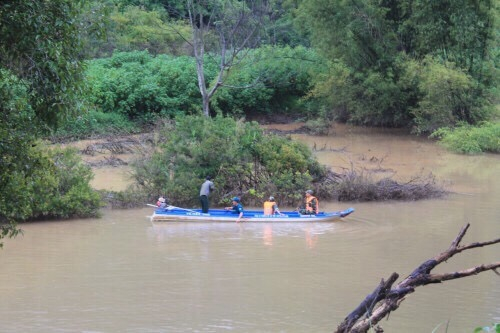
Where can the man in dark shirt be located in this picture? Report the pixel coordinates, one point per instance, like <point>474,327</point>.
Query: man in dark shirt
<point>237,208</point>
<point>206,188</point>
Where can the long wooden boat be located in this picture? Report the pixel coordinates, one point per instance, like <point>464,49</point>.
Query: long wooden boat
<point>178,214</point>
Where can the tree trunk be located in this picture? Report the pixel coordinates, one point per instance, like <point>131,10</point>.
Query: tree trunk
<point>206,105</point>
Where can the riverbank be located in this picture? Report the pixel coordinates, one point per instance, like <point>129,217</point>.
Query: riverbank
<point>363,171</point>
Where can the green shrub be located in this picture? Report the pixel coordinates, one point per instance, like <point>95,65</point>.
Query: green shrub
<point>94,123</point>
<point>243,160</point>
<point>270,80</point>
<point>467,139</point>
<point>138,85</point>
<point>60,186</point>
<point>54,185</point>
<point>376,99</point>
<point>448,96</point>
<point>318,126</point>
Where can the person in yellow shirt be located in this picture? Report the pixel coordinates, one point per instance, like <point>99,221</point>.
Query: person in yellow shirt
<point>271,207</point>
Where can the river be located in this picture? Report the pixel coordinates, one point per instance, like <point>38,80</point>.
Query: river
<point>121,273</point>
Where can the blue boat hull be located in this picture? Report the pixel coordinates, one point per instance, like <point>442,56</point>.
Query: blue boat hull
<point>178,214</point>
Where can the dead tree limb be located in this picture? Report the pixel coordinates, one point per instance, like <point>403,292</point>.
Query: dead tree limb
<point>383,300</point>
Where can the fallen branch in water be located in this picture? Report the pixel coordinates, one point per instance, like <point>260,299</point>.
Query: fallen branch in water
<point>385,299</point>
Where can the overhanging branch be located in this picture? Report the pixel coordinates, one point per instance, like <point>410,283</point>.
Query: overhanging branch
<point>383,300</point>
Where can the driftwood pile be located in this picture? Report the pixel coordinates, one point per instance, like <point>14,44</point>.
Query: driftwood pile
<point>360,185</point>
<point>110,147</point>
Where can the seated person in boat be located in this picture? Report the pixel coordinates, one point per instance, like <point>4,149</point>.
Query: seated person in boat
<point>162,202</point>
<point>271,207</point>
<point>311,204</point>
<point>237,208</point>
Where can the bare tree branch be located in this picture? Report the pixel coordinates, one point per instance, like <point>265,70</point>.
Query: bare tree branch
<point>236,25</point>
<point>383,300</point>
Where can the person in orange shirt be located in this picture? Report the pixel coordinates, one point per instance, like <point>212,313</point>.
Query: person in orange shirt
<point>311,204</point>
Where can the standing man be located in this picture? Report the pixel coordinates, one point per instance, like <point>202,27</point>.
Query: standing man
<point>206,188</point>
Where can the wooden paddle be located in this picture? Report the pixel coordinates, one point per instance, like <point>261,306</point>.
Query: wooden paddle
<point>173,207</point>
<point>187,210</point>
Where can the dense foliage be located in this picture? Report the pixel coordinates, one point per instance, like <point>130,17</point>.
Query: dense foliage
<point>40,42</point>
<point>40,72</point>
<point>57,187</point>
<point>142,87</point>
<point>139,86</point>
<point>271,80</point>
<point>16,129</point>
<point>131,27</point>
<point>409,64</point>
<point>278,29</point>
<point>243,160</point>
<point>37,182</point>
<point>424,64</point>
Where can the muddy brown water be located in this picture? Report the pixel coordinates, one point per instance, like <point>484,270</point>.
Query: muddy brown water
<point>121,273</point>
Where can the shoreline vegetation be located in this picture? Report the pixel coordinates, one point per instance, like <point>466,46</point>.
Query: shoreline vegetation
<point>95,74</point>
<point>350,184</point>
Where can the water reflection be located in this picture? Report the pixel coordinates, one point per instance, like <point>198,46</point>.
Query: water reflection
<point>311,238</point>
<point>269,233</point>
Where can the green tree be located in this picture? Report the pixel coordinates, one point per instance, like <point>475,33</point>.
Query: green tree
<point>374,40</point>
<point>40,42</point>
<point>134,28</point>
<point>16,129</point>
<point>360,41</point>
<point>446,95</point>
<point>138,29</point>
<point>40,75</point>
<point>227,28</point>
